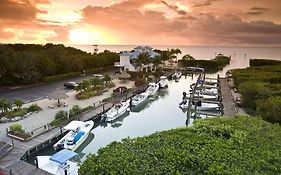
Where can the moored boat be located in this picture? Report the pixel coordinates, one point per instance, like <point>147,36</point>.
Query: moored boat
<point>177,75</point>
<point>201,106</point>
<point>76,135</point>
<point>116,111</point>
<point>60,163</point>
<point>139,98</point>
<point>152,89</point>
<point>163,82</point>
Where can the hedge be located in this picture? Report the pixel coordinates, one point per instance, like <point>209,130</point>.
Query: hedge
<point>236,145</point>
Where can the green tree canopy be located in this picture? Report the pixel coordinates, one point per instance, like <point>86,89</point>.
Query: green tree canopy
<point>225,145</point>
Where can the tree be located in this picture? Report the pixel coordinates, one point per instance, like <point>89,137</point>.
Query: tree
<point>83,86</point>
<point>188,57</point>
<point>157,60</point>
<point>143,59</point>
<point>4,105</point>
<point>107,79</point>
<point>96,82</point>
<point>18,103</point>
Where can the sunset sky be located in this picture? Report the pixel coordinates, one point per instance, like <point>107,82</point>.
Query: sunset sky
<point>153,22</point>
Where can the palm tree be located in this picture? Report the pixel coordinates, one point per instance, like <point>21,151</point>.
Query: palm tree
<point>107,79</point>
<point>96,82</point>
<point>143,59</point>
<point>18,103</point>
<point>157,61</point>
<point>5,105</point>
<point>84,85</point>
<point>175,52</point>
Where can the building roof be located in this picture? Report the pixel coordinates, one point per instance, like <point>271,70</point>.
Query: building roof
<point>139,50</point>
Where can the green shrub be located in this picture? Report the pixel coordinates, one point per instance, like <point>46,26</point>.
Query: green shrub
<point>74,110</point>
<point>263,62</point>
<point>61,115</point>
<point>61,76</point>
<point>16,128</point>
<point>20,112</point>
<point>34,107</point>
<point>270,109</point>
<point>226,145</point>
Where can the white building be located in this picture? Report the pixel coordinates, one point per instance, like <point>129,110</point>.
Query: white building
<point>127,58</point>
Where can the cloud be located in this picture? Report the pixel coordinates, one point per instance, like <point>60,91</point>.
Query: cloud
<point>213,28</point>
<point>203,3</point>
<point>257,11</point>
<point>174,8</point>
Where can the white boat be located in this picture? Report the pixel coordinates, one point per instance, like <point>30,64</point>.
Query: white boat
<point>139,98</point>
<point>206,91</point>
<point>59,163</point>
<point>116,111</point>
<point>163,82</point>
<point>201,106</point>
<point>203,96</point>
<point>78,131</point>
<point>152,89</point>
<point>177,75</point>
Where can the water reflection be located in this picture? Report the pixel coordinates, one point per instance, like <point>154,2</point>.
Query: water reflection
<point>157,114</point>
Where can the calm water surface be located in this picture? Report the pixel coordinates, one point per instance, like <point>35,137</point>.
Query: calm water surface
<point>157,114</point>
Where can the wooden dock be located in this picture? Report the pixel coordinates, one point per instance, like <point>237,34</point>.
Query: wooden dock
<point>14,161</point>
<point>227,99</point>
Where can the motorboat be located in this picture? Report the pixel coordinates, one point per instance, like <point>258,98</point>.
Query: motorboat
<point>206,91</point>
<point>77,132</point>
<point>203,96</point>
<point>177,75</point>
<point>60,163</point>
<point>152,89</point>
<point>116,111</point>
<point>139,98</point>
<point>163,82</point>
<point>196,69</point>
<point>201,106</point>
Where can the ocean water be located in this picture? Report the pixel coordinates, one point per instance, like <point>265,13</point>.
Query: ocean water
<point>240,56</point>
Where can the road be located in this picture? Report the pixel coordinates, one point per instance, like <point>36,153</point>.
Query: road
<point>39,91</point>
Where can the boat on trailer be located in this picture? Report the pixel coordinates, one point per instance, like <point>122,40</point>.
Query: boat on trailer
<point>116,111</point>
<point>60,163</point>
<point>77,133</point>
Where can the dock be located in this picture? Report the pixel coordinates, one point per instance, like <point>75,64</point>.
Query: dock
<point>227,99</point>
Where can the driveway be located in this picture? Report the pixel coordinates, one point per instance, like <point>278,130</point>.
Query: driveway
<point>37,92</point>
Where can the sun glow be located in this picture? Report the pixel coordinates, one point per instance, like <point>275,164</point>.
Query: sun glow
<point>82,36</point>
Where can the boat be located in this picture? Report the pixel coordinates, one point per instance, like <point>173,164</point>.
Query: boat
<point>201,106</point>
<point>76,135</point>
<point>152,89</point>
<point>177,75</point>
<point>60,163</point>
<point>116,111</point>
<point>206,91</point>
<point>163,82</point>
<point>196,69</point>
<point>139,98</point>
<point>203,96</point>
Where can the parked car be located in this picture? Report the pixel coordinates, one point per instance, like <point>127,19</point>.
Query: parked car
<point>99,76</point>
<point>70,85</point>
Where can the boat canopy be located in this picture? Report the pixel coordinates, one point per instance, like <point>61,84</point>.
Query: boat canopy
<point>63,156</point>
<point>73,125</point>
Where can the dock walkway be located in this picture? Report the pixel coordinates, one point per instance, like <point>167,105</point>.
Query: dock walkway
<point>227,99</point>
<point>11,163</point>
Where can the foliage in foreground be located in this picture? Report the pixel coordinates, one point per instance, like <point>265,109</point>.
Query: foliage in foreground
<point>238,145</point>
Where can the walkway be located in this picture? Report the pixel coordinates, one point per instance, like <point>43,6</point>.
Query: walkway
<point>227,99</point>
